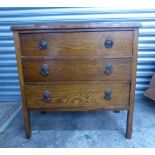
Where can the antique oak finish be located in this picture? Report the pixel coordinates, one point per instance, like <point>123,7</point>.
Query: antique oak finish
<point>86,96</point>
<point>77,67</point>
<point>76,70</point>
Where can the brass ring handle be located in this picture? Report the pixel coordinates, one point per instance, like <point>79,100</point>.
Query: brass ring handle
<point>43,44</point>
<point>46,96</point>
<point>108,69</point>
<point>108,43</point>
<point>107,94</point>
<point>44,70</point>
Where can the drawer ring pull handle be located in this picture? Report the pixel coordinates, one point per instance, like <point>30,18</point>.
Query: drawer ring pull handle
<point>43,44</point>
<point>108,69</point>
<point>44,70</point>
<point>107,94</point>
<point>46,96</point>
<point>108,43</point>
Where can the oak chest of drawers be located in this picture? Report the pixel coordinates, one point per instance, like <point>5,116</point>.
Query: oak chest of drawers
<point>77,67</point>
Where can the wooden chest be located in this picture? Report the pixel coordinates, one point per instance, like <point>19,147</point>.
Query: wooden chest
<point>77,67</point>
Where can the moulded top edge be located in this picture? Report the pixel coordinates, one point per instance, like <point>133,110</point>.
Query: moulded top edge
<point>76,25</point>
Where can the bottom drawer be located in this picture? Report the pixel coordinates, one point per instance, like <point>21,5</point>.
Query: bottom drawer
<point>78,96</point>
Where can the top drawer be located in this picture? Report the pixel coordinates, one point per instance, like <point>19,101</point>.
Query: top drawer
<point>61,44</point>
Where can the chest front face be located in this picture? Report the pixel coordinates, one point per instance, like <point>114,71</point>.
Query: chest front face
<point>77,64</point>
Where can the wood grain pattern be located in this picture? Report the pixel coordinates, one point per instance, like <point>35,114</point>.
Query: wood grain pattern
<point>80,96</point>
<point>78,44</point>
<point>26,113</point>
<point>76,25</point>
<point>77,70</point>
<point>76,56</point>
<point>133,87</point>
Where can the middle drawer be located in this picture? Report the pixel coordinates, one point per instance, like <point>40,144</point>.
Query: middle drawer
<point>52,70</point>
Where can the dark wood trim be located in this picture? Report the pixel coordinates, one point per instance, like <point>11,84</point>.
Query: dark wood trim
<point>78,110</point>
<point>133,86</point>
<point>72,57</point>
<point>77,82</point>
<point>76,25</point>
<point>75,30</point>
<point>26,113</point>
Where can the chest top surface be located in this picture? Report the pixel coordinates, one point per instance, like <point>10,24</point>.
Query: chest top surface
<point>83,25</point>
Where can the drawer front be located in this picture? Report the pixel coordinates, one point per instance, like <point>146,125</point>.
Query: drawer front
<point>76,70</point>
<point>81,96</point>
<point>99,44</point>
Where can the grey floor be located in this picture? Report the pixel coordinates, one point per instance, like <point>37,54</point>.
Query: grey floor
<point>6,112</point>
<point>83,129</point>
